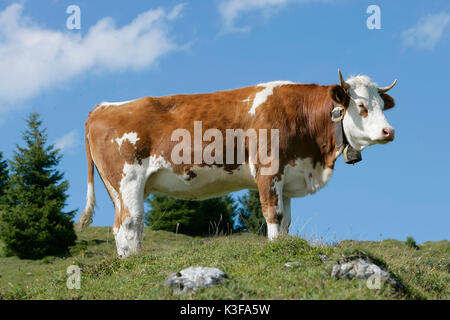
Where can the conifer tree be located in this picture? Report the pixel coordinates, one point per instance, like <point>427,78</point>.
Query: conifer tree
<point>32,221</point>
<point>251,218</point>
<point>3,176</point>
<point>196,218</point>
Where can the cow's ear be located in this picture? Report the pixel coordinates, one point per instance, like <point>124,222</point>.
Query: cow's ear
<point>339,95</point>
<point>388,101</point>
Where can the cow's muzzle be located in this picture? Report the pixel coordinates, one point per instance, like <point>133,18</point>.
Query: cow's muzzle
<point>388,134</point>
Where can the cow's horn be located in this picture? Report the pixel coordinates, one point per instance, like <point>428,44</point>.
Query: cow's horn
<point>386,89</point>
<point>344,84</point>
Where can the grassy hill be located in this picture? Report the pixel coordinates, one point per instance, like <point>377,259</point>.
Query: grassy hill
<point>254,267</point>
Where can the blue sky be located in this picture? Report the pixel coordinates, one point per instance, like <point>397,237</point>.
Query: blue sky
<point>398,190</point>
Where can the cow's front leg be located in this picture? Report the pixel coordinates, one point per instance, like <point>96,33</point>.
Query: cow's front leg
<point>270,192</point>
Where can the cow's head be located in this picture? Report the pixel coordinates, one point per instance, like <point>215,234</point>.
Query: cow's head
<point>364,103</point>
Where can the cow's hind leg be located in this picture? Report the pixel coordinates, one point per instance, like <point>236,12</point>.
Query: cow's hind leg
<point>286,221</point>
<point>129,224</point>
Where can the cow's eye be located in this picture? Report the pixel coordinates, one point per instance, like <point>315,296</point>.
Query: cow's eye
<point>363,110</point>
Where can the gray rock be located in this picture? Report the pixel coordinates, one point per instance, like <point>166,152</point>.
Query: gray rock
<point>323,257</point>
<point>193,278</point>
<point>361,268</point>
<point>291,264</point>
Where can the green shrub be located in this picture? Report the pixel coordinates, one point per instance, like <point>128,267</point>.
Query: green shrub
<point>410,242</point>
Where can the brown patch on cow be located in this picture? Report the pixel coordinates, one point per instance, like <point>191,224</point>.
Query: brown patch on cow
<point>389,102</point>
<point>191,175</point>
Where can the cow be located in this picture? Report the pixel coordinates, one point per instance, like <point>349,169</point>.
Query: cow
<point>137,146</point>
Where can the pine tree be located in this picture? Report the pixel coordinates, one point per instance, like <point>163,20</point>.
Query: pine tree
<point>3,176</point>
<point>251,218</point>
<point>196,218</point>
<point>32,224</point>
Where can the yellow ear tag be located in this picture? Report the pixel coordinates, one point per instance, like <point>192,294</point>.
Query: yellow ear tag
<point>337,98</point>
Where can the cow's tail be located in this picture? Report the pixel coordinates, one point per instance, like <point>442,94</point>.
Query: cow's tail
<point>88,212</point>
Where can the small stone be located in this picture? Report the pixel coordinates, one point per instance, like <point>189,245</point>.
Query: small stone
<point>291,264</point>
<point>29,273</point>
<point>323,257</point>
<point>194,278</point>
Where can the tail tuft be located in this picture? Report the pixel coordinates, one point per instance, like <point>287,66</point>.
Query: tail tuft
<point>88,212</point>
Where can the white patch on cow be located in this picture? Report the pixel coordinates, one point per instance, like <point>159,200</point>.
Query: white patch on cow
<point>247,100</point>
<point>273,230</point>
<point>262,95</point>
<point>302,178</point>
<point>206,182</point>
<point>88,211</point>
<point>90,196</point>
<point>130,136</point>
<point>134,177</point>
<point>106,103</point>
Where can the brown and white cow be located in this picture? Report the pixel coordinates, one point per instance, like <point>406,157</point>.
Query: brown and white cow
<point>135,146</point>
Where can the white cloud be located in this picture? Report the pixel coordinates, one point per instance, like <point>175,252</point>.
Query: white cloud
<point>33,58</point>
<point>176,12</point>
<point>67,141</point>
<point>230,10</point>
<point>427,32</point>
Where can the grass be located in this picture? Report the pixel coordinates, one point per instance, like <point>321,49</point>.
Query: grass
<point>254,267</point>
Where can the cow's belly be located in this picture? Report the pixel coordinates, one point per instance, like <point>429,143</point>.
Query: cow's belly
<point>208,182</point>
<point>302,178</point>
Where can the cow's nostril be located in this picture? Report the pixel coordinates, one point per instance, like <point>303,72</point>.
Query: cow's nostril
<point>388,133</point>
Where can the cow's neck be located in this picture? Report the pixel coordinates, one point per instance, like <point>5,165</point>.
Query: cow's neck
<point>314,137</point>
